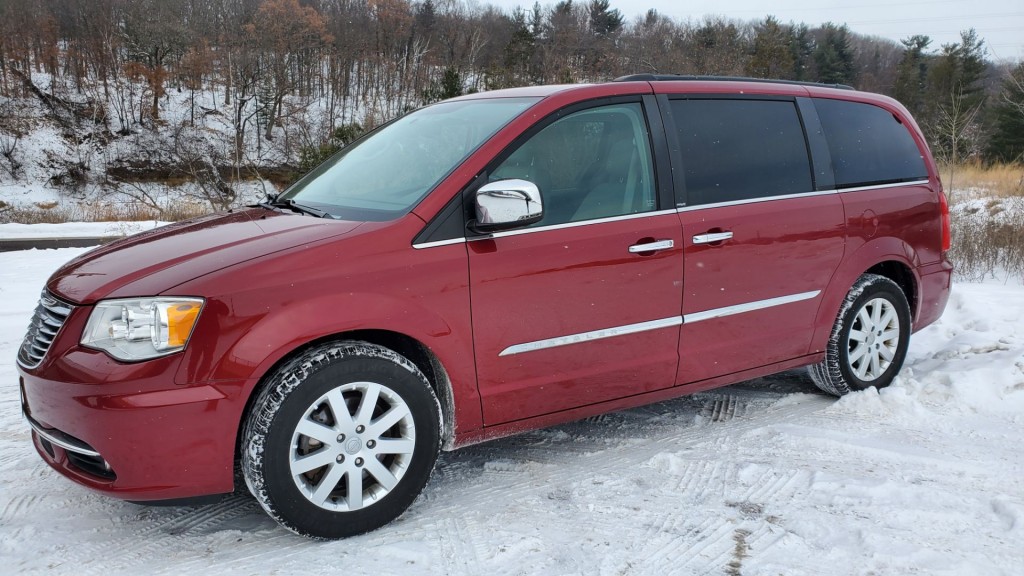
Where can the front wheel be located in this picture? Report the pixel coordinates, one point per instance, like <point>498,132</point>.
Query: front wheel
<point>869,339</point>
<point>341,439</point>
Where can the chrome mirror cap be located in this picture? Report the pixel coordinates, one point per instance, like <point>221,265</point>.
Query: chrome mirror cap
<point>506,204</point>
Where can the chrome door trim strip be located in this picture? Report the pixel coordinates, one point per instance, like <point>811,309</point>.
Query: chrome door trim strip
<point>592,335</point>
<point>754,200</point>
<point>748,307</point>
<point>439,243</point>
<point>799,195</point>
<point>881,186</point>
<point>545,228</point>
<point>663,212</point>
<point>576,224</point>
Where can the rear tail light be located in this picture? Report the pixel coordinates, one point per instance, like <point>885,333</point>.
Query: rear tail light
<point>947,240</point>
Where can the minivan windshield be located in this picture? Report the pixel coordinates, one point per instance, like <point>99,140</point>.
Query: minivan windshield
<point>384,175</point>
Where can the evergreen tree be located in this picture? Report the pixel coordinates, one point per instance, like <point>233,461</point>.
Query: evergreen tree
<point>912,74</point>
<point>802,51</point>
<point>605,22</point>
<point>772,55</point>
<point>833,55</point>
<point>1007,142</point>
<point>957,97</point>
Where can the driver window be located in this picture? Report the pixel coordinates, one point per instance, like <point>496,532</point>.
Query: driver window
<point>591,164</point>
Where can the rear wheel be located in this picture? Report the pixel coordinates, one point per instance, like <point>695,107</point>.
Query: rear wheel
<point>869,339</point>
<point>341,440</point>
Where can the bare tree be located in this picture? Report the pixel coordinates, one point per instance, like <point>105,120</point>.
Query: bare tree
<point>9,151</point>
<point>956,124</point>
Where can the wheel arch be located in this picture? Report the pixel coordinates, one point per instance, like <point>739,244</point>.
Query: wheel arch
<point>415,351</point>
<point>889,257</point>
<point>904,277</point>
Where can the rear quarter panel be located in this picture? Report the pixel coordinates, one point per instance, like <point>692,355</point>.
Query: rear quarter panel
<point>898,224</point>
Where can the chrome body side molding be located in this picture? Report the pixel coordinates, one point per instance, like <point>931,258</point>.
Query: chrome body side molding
<point>593,335</point>
<point>656,324</point>
<point>748,307</point>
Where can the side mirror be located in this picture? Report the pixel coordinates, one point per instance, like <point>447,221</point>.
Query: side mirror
<point>507,204</point>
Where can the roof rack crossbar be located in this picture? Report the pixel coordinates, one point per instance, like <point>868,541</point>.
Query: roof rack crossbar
<point>692,78</point>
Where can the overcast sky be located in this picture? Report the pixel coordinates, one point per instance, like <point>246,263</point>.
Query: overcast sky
<point>999,22</point>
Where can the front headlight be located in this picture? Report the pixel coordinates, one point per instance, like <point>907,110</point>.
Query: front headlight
<point>141,328</point>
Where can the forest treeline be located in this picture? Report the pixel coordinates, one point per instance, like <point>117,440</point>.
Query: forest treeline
<point>365,61</point>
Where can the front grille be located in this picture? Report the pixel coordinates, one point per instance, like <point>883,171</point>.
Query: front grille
<point>46,323</point>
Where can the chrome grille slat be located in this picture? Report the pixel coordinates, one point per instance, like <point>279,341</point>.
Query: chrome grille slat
<point>46,323</point>
<point>62,311</point>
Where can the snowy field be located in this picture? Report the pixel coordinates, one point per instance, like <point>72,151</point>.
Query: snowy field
<point>766,477</point>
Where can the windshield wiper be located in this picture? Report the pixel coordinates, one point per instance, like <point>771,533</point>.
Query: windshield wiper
<point>268,202</point>
<point>272,203</point>
<point>302,208</point>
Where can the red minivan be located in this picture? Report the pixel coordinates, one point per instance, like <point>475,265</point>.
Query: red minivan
<point>483,266</point>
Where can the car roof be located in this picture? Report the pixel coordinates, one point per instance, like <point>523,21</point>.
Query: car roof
<point>690,85</point>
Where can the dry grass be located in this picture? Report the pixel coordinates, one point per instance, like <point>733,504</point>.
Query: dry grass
<point>54,213</point>
<point>978,181</point>
<point>988,239</point>
<point>987,214</point>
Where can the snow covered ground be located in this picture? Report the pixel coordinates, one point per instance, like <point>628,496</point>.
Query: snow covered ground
<point>766,477</point>
<point>13,230</point>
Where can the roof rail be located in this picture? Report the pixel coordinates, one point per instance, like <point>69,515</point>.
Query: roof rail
<point>691,78</point>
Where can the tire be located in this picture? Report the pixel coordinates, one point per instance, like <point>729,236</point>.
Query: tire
<point>856,358</point>
<point>315,416</point>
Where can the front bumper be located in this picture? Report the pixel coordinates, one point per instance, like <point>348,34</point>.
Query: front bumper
<point>127,430</point>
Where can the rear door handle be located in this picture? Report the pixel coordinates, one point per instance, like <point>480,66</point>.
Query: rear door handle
<point>711,237</point>
<point>651,246</point>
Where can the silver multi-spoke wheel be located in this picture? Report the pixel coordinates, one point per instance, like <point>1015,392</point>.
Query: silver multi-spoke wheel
<point>869,338</point>
<point>341,439</point>
<point>352,446</point>
<point>874,339</point>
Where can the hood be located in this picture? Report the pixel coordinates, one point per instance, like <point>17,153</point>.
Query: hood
<point>152,262</point>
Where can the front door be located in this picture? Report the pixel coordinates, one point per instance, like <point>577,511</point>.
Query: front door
<point>584,306</point>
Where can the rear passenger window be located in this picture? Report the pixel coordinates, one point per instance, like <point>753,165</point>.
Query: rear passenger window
<point>741,149</point>
<point>868,145</point>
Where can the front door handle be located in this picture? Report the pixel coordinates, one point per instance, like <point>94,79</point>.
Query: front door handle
<point>651,246</point>
<point>711,237</point>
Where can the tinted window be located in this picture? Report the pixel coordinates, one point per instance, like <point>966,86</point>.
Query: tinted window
<point>741,149</point>
<point>590,164</point>
<point>868,144</point>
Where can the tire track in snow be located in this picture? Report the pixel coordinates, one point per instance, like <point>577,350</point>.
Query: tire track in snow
<point>701,478</point>
<point>212,517</point>
<point>161,528</point>
<point>458,544</point>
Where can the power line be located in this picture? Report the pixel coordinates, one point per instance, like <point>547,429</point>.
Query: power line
<point>844,7</point>
<point>937,18</point>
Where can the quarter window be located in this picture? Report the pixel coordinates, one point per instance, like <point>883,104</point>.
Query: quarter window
<point>741,149</point>
<point>868,144</point>
<point>590,164</point>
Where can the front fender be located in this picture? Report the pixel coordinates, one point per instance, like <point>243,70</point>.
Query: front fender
<point>251,339</point>
<point>875,251</point>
